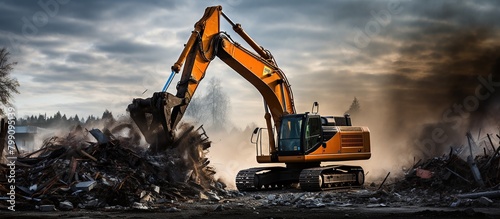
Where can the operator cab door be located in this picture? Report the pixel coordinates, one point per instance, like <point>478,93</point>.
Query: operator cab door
<point>313,136</point>
<point>299,134</point>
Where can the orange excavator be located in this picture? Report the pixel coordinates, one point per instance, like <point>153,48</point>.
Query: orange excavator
<point>299,140</point>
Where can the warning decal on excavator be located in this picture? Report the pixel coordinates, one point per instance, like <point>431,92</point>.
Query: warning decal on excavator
<point>267,71</point>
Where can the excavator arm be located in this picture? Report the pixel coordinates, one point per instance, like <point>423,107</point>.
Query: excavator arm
<point>158,116</point>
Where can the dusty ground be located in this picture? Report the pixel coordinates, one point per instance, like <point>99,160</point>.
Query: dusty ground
<point>415,196</point>
<point>361,203</point>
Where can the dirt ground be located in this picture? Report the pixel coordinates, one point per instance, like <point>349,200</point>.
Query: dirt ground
<point>278,212</point>
<point>270,204</point>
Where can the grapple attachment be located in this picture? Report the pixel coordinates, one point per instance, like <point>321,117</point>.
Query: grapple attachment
<point>153,116</point>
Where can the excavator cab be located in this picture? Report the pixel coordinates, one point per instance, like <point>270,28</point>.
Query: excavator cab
<point>299,134</point>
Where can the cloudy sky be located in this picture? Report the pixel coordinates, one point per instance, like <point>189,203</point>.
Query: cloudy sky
<point>81,57</point>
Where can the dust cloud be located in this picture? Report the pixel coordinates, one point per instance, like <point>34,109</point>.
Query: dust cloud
<point>121,127</point>
<point>444,88</point>
<point>440,87</point>
<point>231,152</point>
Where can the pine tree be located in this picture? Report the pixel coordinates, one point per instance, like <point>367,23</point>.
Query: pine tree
<point>57,116</point>
<point>107,115</point>
<point>40,122</point>
<point>354,108</point>
<point>76,119</point>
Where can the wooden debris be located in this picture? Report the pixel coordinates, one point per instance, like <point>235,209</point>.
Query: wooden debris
<point>472,163</point>
<point>381,184</point>
<point>489,194</point>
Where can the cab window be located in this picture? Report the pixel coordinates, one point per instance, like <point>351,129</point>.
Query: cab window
<point>290,134</point>
<point>313,133</point>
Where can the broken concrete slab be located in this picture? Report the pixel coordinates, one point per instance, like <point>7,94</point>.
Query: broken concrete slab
<point>172,209</point>
<point>488,194</point>
<point>376,205</point>
<point>85,186</point>
<point>212,196</point>
<point>297,197</point>
<point>219,208</point>
<point>374,200</point>
<point>456,203</point>
<point>271,197</point>
<point>99,136</point>
<point>156,188</point>
<point>47,208</point>
<point>66,205</point>
<point>139,206</point>
<point>485,201</point>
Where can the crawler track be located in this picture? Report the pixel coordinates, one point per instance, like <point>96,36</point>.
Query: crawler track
<point>331,177</point>
<point>246,179</point>
<point>310,179</point>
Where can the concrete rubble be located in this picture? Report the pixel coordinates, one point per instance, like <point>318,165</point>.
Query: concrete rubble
<point>102,170</point>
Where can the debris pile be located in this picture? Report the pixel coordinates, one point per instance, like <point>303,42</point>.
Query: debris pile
<point>113,172</point>
<point>450,178</point>
<point>369,198</point>
<point>452,172</point>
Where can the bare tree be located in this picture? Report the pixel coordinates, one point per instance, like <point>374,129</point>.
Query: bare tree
<point>195,109</point>
<point>8,85</point>
<point>211,108</point>
<point>218,104</point>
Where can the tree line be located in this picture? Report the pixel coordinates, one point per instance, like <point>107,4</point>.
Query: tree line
<point>61,120</point>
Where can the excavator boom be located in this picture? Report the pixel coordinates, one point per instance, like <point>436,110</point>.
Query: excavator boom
<point>158,116</point>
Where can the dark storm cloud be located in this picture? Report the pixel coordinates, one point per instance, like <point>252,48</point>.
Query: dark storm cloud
<point>127,47</point>
<point>91,10</point>
<point>77,22</point>
<point>319,12</point>
<point>434,18</point>
<point>56,73</point>
<point>24,21</point>
<point>28,18</point>
<point>82,58</point>
<point>9,16</point>
<point>127,38</point>
<point>467,14</point>
<point>439,68</point>
<point>316,28</point>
